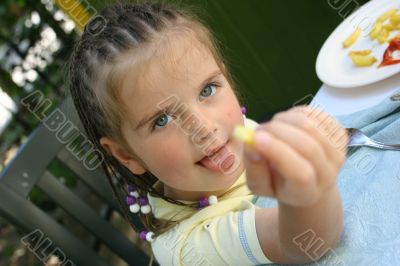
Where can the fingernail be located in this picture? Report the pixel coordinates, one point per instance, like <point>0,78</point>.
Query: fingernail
<point>262,138</point>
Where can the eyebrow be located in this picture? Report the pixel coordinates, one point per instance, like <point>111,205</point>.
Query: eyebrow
<point>159,112</point>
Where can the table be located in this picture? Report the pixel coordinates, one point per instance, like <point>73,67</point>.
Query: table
<point>339,101</point>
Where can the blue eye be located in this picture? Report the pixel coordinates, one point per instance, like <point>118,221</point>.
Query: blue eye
<point>162,121</point>
<point>208,90</point>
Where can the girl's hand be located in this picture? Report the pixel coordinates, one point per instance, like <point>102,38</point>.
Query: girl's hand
<point>296,156</point>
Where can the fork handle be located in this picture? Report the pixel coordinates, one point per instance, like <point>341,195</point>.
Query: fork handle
<point>383,146</point>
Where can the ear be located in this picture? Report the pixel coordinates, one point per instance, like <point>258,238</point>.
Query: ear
<point>122,155</point>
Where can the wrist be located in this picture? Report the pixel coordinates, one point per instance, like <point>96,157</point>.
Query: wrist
<point>310,202</point>
<point>324,219</point>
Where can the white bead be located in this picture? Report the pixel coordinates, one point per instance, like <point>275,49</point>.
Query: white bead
<point>212,200</point>
<point>134,194</point>
<point>145,209</point>
<point>134,208</point>
<point>149,236</point>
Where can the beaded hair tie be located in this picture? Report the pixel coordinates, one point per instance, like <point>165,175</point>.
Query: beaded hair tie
<point>138,203</point>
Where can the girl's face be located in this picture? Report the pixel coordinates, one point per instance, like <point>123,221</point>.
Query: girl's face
<point>174,144</point>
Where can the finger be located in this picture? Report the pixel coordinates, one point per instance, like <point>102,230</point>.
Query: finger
<point>328,124</point>
<point>334,145</point>
<point>304,144</point>
<point>287,162</point>
<point>258,174</point>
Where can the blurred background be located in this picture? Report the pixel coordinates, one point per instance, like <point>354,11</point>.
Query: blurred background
<point>271,47</point>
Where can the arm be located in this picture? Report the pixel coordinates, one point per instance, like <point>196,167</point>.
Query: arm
<point>278,228</point>
<point>298,165</point>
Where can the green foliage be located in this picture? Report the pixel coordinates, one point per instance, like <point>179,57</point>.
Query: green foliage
<point>64,175</point>
<point>12,133</point>
<point>9,250</point>
<point>10,10</point>
<point>51,79</point>
<point>40,199</point>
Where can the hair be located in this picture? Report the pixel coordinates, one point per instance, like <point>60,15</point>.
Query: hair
<point>126,30</point>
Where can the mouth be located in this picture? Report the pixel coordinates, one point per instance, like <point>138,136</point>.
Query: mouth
<point>214,151</point>
<point>218,159</point>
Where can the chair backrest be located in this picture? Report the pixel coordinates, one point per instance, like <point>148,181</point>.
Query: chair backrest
<point>29,169</point>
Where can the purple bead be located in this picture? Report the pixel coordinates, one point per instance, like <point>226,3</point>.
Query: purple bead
<point>143,201</point>
<point>243,109</point>
<point>131,188</point>
<point>203,202</point>
<point>130,200</point>
<point>143,234</point>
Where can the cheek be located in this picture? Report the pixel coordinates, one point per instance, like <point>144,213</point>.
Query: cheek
<point>236,116</point>
<point>233,112</point>
<point>165,156</point>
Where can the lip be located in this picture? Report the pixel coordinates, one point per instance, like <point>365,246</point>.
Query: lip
<point>213,151</point>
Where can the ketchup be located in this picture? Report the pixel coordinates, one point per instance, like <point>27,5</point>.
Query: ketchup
<point>388,55</point>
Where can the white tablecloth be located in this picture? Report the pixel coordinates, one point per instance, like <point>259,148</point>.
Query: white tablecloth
<point>337,101</point>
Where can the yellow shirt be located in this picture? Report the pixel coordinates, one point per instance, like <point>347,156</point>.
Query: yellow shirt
<point>220,234</point>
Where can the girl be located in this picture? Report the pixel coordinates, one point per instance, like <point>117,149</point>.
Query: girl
<point>154,95</point>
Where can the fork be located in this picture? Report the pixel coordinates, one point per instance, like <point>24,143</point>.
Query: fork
<point>357,138</point>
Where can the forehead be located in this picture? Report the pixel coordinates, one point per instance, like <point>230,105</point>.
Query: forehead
<point>178,62</point>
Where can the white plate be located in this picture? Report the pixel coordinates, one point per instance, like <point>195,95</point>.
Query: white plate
<point>335,68</point>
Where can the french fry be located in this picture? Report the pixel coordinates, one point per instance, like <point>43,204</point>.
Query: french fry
<point>383,36</point>
<point>376,30</point>
<point>396,27</point>
<point>381,31</point>
<point>395,19</point>
<point>243,134</point>
<point>362,60</point>
<point>360,52</point>
<point>386,15</point>
<point>352,38</point>
<point>389,27</point>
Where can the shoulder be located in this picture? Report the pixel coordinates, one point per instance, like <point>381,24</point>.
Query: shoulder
<point>214,236</point>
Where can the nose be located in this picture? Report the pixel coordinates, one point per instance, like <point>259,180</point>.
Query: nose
<point>204,128</point>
